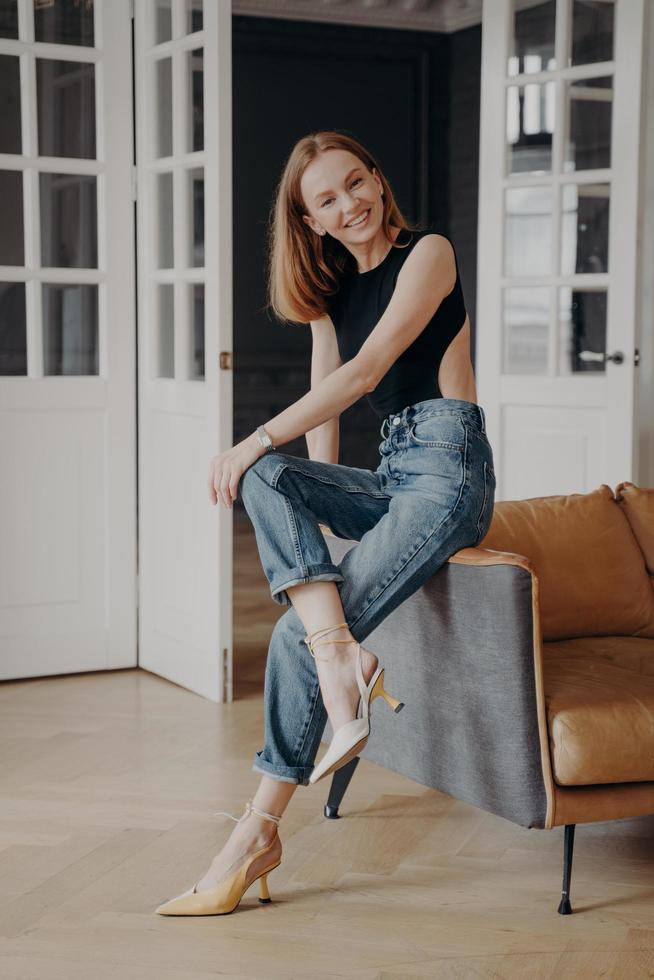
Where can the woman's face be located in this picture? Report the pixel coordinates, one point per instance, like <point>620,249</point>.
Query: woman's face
<point>337,188</point>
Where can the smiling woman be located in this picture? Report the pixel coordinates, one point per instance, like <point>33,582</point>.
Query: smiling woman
<point>340,246</point>
<point>329,183</point>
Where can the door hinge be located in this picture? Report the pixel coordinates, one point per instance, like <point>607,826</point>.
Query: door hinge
<point>225,360</point>
<point>134,183</point>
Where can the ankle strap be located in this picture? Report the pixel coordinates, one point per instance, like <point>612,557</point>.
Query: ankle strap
<point>311,638</point>
<point>262,813</point>
<point>249,807</point>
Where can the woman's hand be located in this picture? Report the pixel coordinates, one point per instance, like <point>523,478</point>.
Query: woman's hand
<point>226,469</point>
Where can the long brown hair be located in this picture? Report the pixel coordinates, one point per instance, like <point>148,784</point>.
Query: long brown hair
<point>305,267</point>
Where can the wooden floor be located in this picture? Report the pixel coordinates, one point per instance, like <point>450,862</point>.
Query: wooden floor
<point>108,783</point>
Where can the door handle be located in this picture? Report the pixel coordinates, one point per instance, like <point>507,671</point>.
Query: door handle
<point>593,355</point>
<point>618,356</point>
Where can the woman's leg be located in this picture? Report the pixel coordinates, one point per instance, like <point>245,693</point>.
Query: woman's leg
<point>254,832</point>
<point>318,604</point>
<point>286,498</point>
<point>422,519</point>
<point>318,600</point>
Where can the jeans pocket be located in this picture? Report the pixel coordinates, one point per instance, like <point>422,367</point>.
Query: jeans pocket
<point>488,503</point>
<point>438,431</point>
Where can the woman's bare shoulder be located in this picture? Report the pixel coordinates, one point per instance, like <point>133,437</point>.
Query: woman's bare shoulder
<point>432,251</point>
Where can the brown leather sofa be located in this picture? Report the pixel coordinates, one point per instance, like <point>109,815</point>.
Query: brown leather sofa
<point>536,650</point>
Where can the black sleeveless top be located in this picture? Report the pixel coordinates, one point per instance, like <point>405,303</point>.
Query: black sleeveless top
<point>356,308</point>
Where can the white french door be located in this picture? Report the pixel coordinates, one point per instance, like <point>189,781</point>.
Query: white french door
<point>184,194</point>
<point>557,338</point>
<point>67,323</point>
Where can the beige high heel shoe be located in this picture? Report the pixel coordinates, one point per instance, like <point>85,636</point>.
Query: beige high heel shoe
<point>350,738</point>
<point>226,895</point>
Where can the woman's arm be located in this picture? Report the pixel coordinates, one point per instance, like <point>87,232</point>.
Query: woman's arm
<point>322,442</point>
<point>425,279</point>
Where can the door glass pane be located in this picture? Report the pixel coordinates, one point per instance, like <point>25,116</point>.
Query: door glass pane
<point>585,228</point>
<point>195,76</point>
<point>163,21</point>
<point>588,145</point>
<point>196,210</point>
<point>12,250</point>
<point>166,320</point>
<point>13,329</point>
<point>525,330</point>
<point>582,327</point>
<point>532,45</point>
<point>165,212</point>
<point>528,231</point>
<point>10,137</point>
<point>193,16</point>
<point>164,99</point>
<point>70,329</point>
<point>529,127</point>
<point>9,19</point>
<point>64,21</point>
<point>197,319</point>
<point>65,97</point>
<point>69,226</point>
<point>592,31</point>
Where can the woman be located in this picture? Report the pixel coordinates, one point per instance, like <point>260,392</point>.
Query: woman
<point>388,322</point>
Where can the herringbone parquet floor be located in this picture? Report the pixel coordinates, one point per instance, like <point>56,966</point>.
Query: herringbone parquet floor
<point>108,782</point>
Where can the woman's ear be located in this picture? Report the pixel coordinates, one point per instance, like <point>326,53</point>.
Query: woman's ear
<point>312,224</point>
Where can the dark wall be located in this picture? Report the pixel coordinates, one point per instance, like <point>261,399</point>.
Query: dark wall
<point>463,152</point>
<point>413,99</point>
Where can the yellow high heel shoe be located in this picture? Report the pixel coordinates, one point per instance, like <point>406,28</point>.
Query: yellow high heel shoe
<point>350,738</point>
<point>226,895</point>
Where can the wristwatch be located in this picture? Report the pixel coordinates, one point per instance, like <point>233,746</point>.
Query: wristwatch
<point>264,439</point>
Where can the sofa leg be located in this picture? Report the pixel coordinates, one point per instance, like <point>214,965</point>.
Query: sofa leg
<point>565,908</point>
<point>340,782</point>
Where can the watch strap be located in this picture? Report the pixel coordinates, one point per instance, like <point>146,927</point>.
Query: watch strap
<point>264,439</point>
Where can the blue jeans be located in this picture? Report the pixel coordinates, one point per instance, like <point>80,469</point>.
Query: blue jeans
<point>431,495</point>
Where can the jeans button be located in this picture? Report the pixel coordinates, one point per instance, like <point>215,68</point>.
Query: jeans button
<point>396,420</point>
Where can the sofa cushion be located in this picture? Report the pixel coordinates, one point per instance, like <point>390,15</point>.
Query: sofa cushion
<point>637,504</point>
<point>591,571</point>
<point>599,696</point>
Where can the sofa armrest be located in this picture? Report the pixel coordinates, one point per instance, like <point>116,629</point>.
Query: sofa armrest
<point>488,556</point>
<point>484,557</point>
<point>464,653</point>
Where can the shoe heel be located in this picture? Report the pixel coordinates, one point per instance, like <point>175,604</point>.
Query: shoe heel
<point>264,894</point>
<point>379,691</point>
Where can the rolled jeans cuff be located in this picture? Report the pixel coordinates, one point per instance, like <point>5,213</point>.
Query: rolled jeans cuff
<point>285,774</point>
<point>326,572</point>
